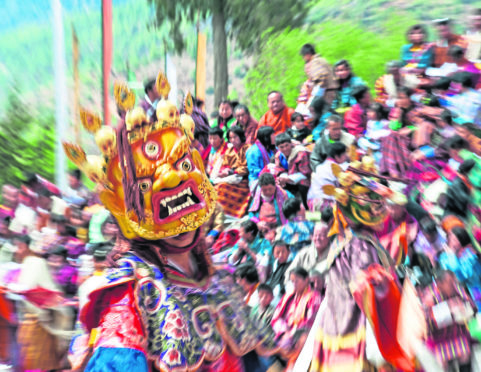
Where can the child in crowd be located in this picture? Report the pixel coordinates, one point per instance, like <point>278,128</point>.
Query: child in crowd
<point>298,131</point>
<point>297,232</point>
<point>264,310</point>
<point>376,129</point>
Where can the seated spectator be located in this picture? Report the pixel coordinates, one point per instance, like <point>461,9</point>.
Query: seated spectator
<point>398,233</point>
<point>395,147</point>
<point>314,257</point>
<point>215,226</point>
<point>297,310</point>
<point>446,39</point>
<point>473,36</point>
<point>332,134</point>
<point>260,153</point>
<point>298,130</point>
<point>430,240</point>
<point>466,104</point>
<point>387,85</point>
<point>7,248</point>
<point>317,282</point>
<point>319,114</point>
<point>281,262</point>
<point>460,258</point>
<point>346,82</point>
<point>279,115</point>
<point>264,310</point>
<point>267,202</point>
<point>9,201</point>
<point>64,274</point>
<point>297,232</point>
<point>253,248</point>
<point>248,124</point>
<point>456,53</point>
<point>458,196</point>
<point>232,185</point>
<point>316,198</point>
<point>225,119</point>
<point>294,160</point>
<point>76,192</point>
<point>218,148</point>
<point>376,129</point>
<point>248,279</point>
<point>448,309</point>
<point>355,119</point>
<point>202,127</point>
<point>418,54</point>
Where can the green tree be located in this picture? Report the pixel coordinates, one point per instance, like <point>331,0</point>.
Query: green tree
<point>249,22</point>
<point>26,143</point>
<point>280,67</point>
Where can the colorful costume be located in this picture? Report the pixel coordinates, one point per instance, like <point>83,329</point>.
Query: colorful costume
<point>360,286</point>
<point>156,312</point>
<point>233,191</point>
<point>280,122</point>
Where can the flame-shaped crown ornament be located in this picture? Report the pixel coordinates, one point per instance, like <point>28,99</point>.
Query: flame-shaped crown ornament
<point>360,195</point>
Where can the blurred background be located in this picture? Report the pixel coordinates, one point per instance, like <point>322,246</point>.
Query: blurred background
<point>261,53</point>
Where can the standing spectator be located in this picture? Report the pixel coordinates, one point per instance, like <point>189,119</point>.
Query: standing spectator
<point>225,119</point>
<point>318,71</point>
<point>332,134</point>
<point>295,161</point>
<point>248,124</point>
<point>260,153</point>
<point>446,39</point>
<point>279,115</point>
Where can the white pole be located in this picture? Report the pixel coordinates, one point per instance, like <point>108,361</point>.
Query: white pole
<point>59,70</point>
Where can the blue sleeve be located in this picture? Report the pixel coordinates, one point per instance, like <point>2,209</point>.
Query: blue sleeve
<point>254,164</point>
<point>404,54</point>
<point>213,233</point>
<point>428,151</point>
<point>117,360</point>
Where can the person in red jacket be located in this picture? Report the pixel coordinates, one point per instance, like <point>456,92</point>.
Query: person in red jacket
<point>355,120</point>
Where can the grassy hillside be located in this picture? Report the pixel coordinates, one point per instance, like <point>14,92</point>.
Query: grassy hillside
<point>367,33</point>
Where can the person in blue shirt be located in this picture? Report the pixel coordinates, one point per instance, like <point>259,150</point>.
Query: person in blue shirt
<point>260,153</point>
<point>252,247</point>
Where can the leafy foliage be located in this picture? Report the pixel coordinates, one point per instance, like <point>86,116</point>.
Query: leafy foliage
<point>26,143</point>
<point>366,33</point>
